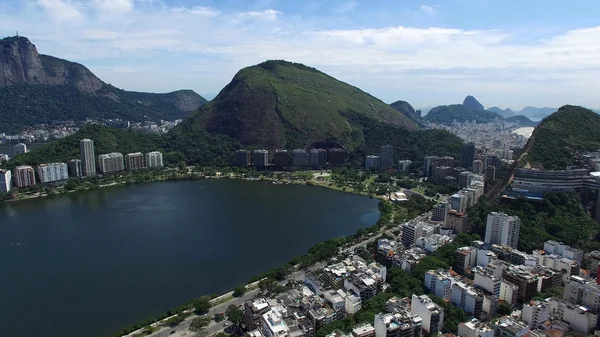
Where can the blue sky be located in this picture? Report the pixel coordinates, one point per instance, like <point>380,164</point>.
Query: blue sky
<point>509,53</point>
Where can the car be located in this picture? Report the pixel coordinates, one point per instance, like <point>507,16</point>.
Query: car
<point>172,332</point>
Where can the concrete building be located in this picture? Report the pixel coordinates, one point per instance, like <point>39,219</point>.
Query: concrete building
<point>75,168</point>
<point>506,154</point>
<point>535,313</point>
<point>509,327</point>
<point>439,282</point>
<point>318,157</point>
<point>502,229</point>
<point>432,242</point>
<point>458,222</point>
<point>523,278</point>
<point>281,158</point>
<point>411,231</point>
<point>386,157</point>
<point>364,330</point>
<point>5,181</point>
<point>459,202</point>
<point>439,173</point>
<point>260,158</point>
<point>372,162</point>
<point>3,157</point>
<point>465,259</point>
<point>134,161</point>
<point>490,173</point>
<point>273,323</point>
<point>542,181</point>
<point>428,163</point>
<point>439,212</point>
<point>467,155</point>
<point>253,312</point>
<point>477,166</point>
<point>88,159</point>
<point>579,318</point>
<point>23,176</point>
<point>242,158</point>
<point>397,324</point>
<point>431,313</point>
<point>53,172</point>
<point>299,157</point>
<point>475,328</point>
<point>559,248</point>
<point>154,159</point>
<point>336,156</point>
<point>463,178</point>
<point>111,162</point>
<point>20,149</point>
<point>556,262</point>
<point>583,292</point>
<point>352,304</point>
<point>403,165</point>
<point>467,298</point>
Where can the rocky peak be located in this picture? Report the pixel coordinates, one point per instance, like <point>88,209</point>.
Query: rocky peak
<point>472,104</point>
<point>20,63</point>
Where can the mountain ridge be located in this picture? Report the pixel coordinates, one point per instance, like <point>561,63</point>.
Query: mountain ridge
<point>281,104</point>
<point>37,88</point>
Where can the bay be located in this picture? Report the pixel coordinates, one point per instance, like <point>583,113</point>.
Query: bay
<point>91,263</point>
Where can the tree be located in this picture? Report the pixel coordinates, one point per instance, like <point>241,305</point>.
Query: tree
<point>235,315</point>
<point>267,285</point>
<point>239,291</point>
<point>199,323</point>
<point>504,309</point>
<point>201,305</point>
<point>182,167</point>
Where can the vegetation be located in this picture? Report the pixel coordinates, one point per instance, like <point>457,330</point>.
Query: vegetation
<point>278,104</point>
<point>558,139</point>
<point>235,315</point>
<point>560,216</point>
<point>458,112</point>
<point>199,323</point>
<point>407,109</point>
<point>239,291</point>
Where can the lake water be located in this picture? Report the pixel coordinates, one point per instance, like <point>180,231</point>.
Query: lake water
<point>91,263</point>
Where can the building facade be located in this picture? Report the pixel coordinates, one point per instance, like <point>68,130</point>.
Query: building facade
<point>260,158</point>
<point>52,173</point>
<point>318,157</point>
<point>20,149</point>
<point>386,157</point>
<point>372,162</point>
<point>88,159</point>
<point>299,157</point>
<point>5,181</point>
<point>134,161</point>
<point>75,168</point>
<point>154,159</point>
<point>24,176</point>
<point>242,158</point>
<point>502,229</point>
<point>431,313</point>
<point>111,162</point>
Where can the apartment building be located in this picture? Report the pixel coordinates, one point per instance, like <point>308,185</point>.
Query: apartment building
<point>242,158</point>
<point>111,162</point>
<point>75,168</point>
<point>253,312</point>
<point>134,161</point>
<point>53,173</point>
<point>5,181</point>
<point>502,229</point>
<point>439,282</point>
<point>431,313</point>
<point>299,157</point>
<point>467,298</point>
<point>465,259</point>
<point>88,159</point>
<point>583,292</point>
<point>260,158</point>
<point>23,176</point>
<point>154,159</point>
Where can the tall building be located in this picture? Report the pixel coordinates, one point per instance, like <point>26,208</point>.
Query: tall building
<point>111,162</point>
<point>299,157</point>
<point>386,157</point>
<point>20,149</point>
<point>428,163</point>
<point>53,172</point>
<point>260,158</point>
<point>458,222</point>
<point>336,156</point>
<point>439,282</point>
<point>154,159</point>
<point>467,155</point>
<point>281,158</point>
<point>583,292</point>
<point>502,229</point>
<point>465,259</point>
<point>439,212</point>
<point>372,162</point>
<point>24,176</point>
<point>134,161</point>
<point>5,181</point>
<point>403,165</point>
<point>242,158</point>
<point>318,157</point>
<point>478,166</point>
<point>490,173</point>
<point>459,202</point>
<point>88,159</point>
<point>431,313</point>
<point>467,298</point>
<point>75,168</point>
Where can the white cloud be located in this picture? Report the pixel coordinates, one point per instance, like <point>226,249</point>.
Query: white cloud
<point>202,48</point>
<point>426,9</point>
<point>120,6</point>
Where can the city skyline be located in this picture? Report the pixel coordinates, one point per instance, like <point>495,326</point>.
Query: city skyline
<point>414,51</point>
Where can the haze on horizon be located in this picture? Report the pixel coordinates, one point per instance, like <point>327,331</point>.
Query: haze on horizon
<point>505,53</point>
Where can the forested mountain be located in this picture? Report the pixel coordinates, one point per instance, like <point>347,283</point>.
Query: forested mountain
<point>458,112</point>
<point>36,88</point>
<point>407,109</point>
<point>279,104</point>
<point>560,136</point>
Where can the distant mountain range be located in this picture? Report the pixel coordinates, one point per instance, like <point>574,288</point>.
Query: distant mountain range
<point>36,88</point>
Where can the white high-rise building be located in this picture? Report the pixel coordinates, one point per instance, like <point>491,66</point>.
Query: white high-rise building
<point>502,229</point>
<point>431,313</point>
<point>439,282</point>
<point>53,172</point>
<point>110,162</point>
<point>154,159</point>
<point>20,149</point>
<point>24,176</point>
<point>88,159</point>
<point>5,181</point>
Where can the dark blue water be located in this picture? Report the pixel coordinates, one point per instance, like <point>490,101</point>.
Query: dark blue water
<point>91,263</point>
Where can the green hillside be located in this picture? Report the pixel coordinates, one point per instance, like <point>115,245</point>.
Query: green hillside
<point>458,112</point>
<point>560,136</point>
<point>278,104</point>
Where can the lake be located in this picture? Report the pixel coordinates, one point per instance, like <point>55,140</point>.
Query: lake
<point>91,263</point>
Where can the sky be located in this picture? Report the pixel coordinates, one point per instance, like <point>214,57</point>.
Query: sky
<point>507,53</point>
